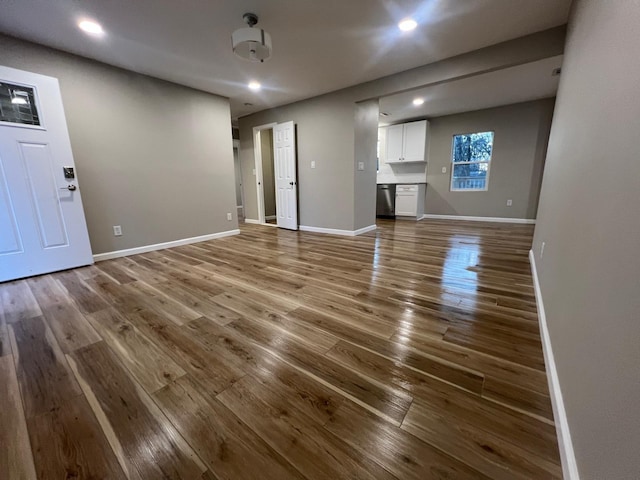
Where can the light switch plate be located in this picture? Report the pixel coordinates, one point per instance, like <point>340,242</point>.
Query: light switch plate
<point>313,164</point>
<point>361,166</point>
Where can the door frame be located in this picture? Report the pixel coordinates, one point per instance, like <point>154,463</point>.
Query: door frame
<point>236,147</point>
<point>257,155</point>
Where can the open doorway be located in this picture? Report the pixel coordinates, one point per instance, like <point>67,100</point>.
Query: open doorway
<point>238,177</point>
<point>276,177</point>
<point>268,176</point>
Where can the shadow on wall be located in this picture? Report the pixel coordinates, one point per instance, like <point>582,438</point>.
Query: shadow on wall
<point>438,203</point>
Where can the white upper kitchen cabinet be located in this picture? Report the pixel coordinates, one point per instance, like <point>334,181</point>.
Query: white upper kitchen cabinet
<point>415,141</point>
<point>406,142</point>
<point>395,143</point>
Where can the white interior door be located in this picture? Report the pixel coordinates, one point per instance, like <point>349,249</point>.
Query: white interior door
<point>284,155</point>
<point>42,224</point>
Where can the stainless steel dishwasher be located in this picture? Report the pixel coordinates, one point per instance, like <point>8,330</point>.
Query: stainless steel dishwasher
<point>386,200</point>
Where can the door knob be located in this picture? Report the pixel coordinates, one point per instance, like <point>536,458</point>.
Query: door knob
<point>71,188</point>
<point>291,183</point>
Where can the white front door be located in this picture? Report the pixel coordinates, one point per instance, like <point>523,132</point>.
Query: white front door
<point>42,224</point>
<point>284,154</point>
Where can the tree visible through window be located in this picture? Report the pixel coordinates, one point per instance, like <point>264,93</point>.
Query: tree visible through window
<point>471,157</point>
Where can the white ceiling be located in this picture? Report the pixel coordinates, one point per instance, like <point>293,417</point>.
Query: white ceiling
<point>531,81</point>
<point>319,45</point>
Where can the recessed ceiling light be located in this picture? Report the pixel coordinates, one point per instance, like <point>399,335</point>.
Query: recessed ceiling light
<point>91,27</point>
<point>255,86</point>
<point>418,101</point>
<point>407,24</point>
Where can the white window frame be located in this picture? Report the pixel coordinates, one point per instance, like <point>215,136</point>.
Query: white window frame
<point>454,163</point>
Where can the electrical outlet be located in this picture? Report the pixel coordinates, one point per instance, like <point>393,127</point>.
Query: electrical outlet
<point>444,169</point>
<point>313,164</point>
<point>229,217</point>
<point>542,250</point>
<point>509,202</point>
<point>361,166</point>
<point>117,231</point>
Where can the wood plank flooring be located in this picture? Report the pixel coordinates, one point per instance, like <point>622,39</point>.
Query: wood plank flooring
<point>411,352</point>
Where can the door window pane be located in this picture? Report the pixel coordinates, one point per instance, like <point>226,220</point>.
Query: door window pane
<point>18,105</point>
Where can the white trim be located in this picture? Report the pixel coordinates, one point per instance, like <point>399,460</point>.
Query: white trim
<point>529,221</point>
<point>159,246</point>
<point>334,231</point>
<point>270,217</point>
<point>567,455</point>
<point>362,230</point>
<point>252,220</point>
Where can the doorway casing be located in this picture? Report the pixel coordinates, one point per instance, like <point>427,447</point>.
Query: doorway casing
<point>257,151</point>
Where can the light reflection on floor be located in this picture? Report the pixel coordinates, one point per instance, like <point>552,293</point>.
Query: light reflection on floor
<point>462,256</point>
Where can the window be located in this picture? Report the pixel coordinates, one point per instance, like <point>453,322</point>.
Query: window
<point>471,157</point>
<point>17,104</point>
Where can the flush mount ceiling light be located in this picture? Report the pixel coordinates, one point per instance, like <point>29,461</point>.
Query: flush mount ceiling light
<point>253,44</point>
<point>418,101</point>
<point>90,27</point>
<point>407,25</point>
<point>255,86</point>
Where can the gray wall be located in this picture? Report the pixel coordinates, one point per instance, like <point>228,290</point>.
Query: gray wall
<point>519,149</point>
<point>326,126</point>
<point>268,173</point>
<point>367,115</point>
<point>588,220</point>
<point>325,194</point>
<point>151,156</point>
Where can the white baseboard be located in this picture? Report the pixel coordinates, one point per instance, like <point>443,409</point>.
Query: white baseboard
<point>270,217</point>
<point>159,246</point>
<point>334,231</point>
<point>362,230</point>
<point>251,220</point>
<point>479,219</point>
<point>567,455</point>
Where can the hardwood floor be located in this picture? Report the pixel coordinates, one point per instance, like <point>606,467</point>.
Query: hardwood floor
<point>411,352</point>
